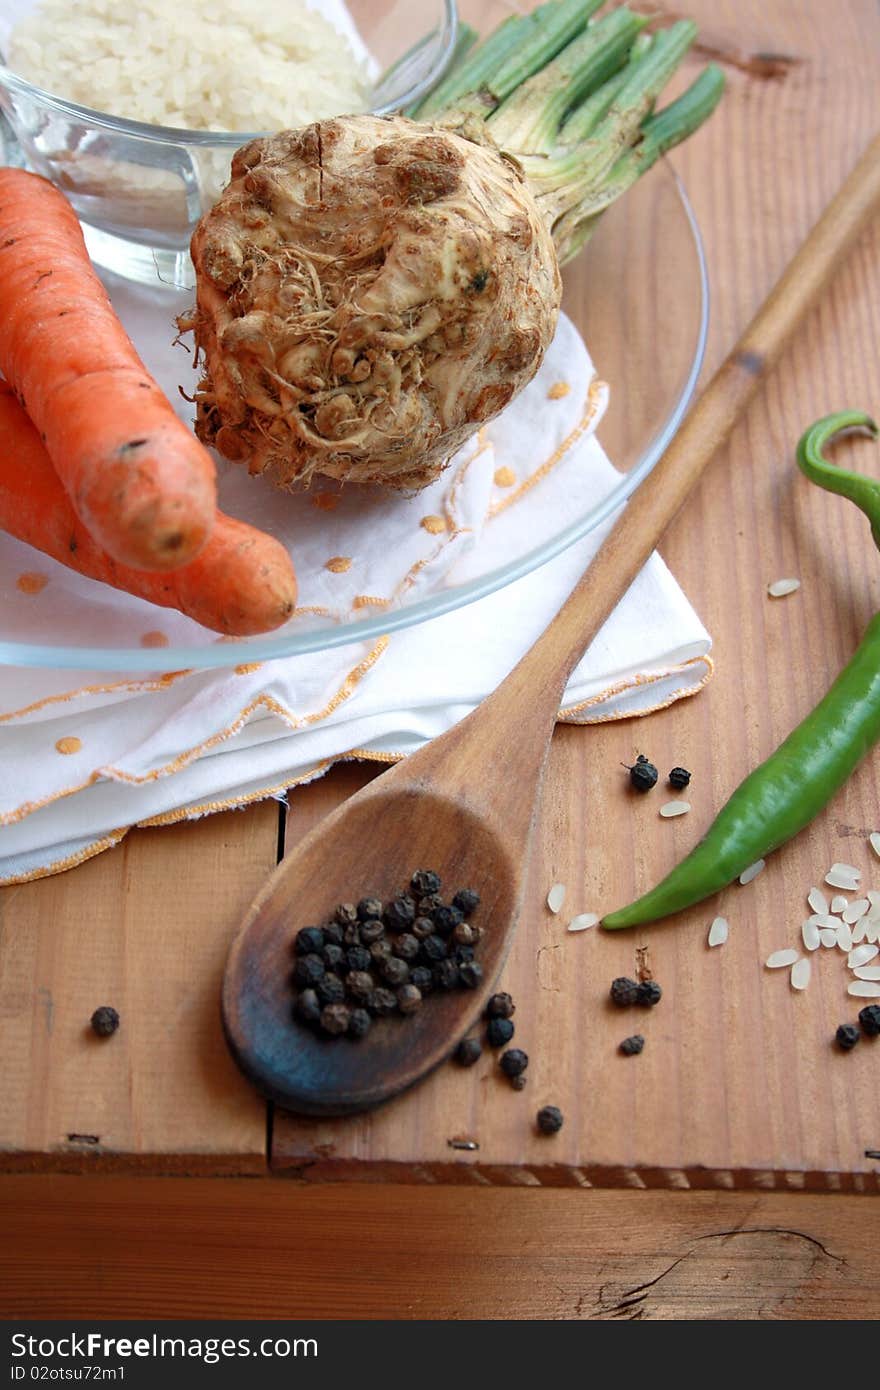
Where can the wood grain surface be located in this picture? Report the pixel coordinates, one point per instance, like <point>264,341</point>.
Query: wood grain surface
<point>738,1084</point>
<point>215,1248</point>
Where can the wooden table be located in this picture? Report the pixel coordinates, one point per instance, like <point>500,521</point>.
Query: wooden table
<point>724,1171</point>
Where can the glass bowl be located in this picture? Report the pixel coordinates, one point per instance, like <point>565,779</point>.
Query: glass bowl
<point>140,189</point>
<point>638,294</point>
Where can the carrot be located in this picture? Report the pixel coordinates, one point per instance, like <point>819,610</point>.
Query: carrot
<point>137,477</point>
<point>242,582</point>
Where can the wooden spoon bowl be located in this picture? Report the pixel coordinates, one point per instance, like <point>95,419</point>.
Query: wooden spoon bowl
<point>310,1072</point>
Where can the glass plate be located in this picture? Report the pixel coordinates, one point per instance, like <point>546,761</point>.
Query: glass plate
<point>638,294</point>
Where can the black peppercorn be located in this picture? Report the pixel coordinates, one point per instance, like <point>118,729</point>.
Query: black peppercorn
<point>519,1082</point>
<point>429,903</point>
<point>351,935</point>
<point>360,984</point>
<point>463,934</point>
<point>630,1047</point>
<point>308,971</point>
<point>433,950</point>
<point>422,928</point>
<point>461,954</point>
<point>105,1021</point>
<point>368,908</point>
<point>869,1018</point>
<point>406,946</point>
<point>679,778</point>
<point>400,913</point>
<point>549,1119</point>
<point>446,974</point>
<point>470,974</point>
<point>307,1007</point>
<point>332,934</point>
<point>345,914</point>
<point>649,993</point>
<point>847,1036</point>
<point>358,958</point>
<point>394,971</point>
<point>446,919</point>
<point>468,1052</point>
<point>624,991</point>
<point>381,1001</point>
<point>371,930</point>
<point>409,998</point>
<point>513,1062</point>
<point>332,956</point>
<point>642,774</point>
<point>421,977</point>
<point>335,1019</point>
<point>309,941</point>
<point>499,1031</point>
<point>466,900</point>
<point>330,989</point>
<point>359,1023</point>
<point>424,882</point>
<point>380,950</point>
<point>500,1006</point>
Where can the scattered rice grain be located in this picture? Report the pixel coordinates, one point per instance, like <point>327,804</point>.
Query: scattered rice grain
<point>777,959</point>
<point>844,937</point>
<point>855,911</point>
<point>675,808</point>
<point>872,930</point>
<point>817,900</point>
<point>861,955</point>
<point>843,876</point>
<point>874,840</point>
<point>584,920</point>
<point>860,930</point>
<point>800,973</point>
<point>780,587</point>
<point>824,919</point>
<point>556,897</point>
<point>718,931</point>
<point>828,936</point>
<point>839,902</point>
<point>864,989</point>
<point>867,972</point>
<point>752,871</point>
<point>810,935</point>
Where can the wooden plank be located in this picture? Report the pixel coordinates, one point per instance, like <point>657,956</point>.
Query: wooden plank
<point>144,927</point>
<point>491,1254</point>
<point>739,1084</point>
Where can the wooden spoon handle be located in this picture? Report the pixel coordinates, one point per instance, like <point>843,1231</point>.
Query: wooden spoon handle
<point>541,676</point>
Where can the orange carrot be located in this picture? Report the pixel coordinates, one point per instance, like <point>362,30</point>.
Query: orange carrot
<point>136,476</point>
<point>241,583</point>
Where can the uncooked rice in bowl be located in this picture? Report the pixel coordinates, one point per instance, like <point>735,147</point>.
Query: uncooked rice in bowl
<point>216,65</point>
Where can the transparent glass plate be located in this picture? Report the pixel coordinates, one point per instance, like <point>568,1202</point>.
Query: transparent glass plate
<point>638,294</point>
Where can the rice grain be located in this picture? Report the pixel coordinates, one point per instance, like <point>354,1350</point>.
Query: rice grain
<point>800,973</point>
<point>718,932</point>
<point>556,897</point>
<point>861,955</point>
<point>864,989</point>
<point>752,871</point>
<point>855,910</point>
<point>583,921</point>
<point>810,935</point>
<point>675,808</point>
<point>780,587</point>
<point>778,959</point>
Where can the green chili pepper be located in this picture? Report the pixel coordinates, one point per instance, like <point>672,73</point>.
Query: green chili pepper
<point>788,790</point>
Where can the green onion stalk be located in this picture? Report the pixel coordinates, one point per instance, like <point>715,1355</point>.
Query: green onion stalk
<point>572,99</point>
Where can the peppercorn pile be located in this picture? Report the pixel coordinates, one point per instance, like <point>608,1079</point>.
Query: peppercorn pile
<point>375,959</point>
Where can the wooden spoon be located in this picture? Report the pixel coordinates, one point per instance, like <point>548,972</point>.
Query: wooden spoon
<point>466,803</point>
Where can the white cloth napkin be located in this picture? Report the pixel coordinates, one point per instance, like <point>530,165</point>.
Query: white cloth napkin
<point>85,755</point>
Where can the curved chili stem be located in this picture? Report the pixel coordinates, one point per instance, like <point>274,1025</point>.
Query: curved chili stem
<point>865,492</point>
<point>794,784</point>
